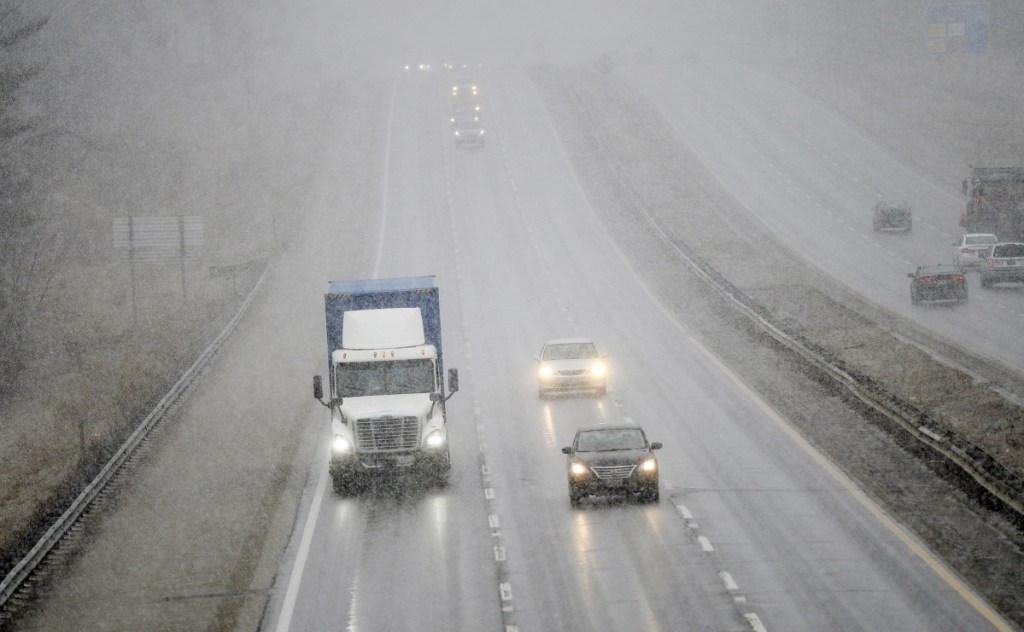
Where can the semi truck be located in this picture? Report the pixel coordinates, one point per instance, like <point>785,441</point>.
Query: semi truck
<point>995,202</point>
<point>387,382</point>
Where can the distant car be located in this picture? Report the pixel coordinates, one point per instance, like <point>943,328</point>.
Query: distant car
<point>468,132</point>
<point>941,282</point>
<point>967,252</point>
<point>1002,263</point>
<point>892,215</point>
<point>463,117</point>
<point>465,89</point>
<point>571,365</point>
<point>614,459</point>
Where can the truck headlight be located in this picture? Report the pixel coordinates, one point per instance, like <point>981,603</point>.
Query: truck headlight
<point>578,469</point>
<point>649,465</point>
<point>341,445</point>
<point>435,439</point>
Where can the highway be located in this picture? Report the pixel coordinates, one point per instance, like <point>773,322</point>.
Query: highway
<point>814,178</point>
<point>228,520</point>
<point>754,527</point>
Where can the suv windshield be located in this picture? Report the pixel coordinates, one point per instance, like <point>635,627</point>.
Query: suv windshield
<point>570,351</point>
<point>384,378</point>
<point>611,439</point>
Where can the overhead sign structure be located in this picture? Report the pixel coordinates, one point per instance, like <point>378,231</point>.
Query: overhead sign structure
<point>958,28</point>
<point>158,240</point>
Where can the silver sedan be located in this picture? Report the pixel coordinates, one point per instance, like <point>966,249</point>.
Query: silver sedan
<point>967,252</point>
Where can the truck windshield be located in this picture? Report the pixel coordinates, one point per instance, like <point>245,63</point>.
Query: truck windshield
<point>359,379</point>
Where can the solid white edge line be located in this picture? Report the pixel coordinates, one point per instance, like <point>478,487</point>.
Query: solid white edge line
<point>980,605</point>
<point>384,187</point>
<point>284,620</point>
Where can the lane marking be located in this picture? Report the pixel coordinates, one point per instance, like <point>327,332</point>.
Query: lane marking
<point>284,620</point>
<point>951,580</point>
<point>387,175</point>
<point>705,543</point>
<point>755,622</point>
<point>730,583</point>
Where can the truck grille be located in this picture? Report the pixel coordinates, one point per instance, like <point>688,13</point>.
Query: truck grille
<point>387,434</point>
<point>613,471</point>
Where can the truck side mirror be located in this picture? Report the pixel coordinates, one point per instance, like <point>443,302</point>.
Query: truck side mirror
<point>318,389</point>
<point>453,380</point>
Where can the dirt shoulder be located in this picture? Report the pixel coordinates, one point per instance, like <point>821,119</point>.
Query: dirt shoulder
<point>657,198</point>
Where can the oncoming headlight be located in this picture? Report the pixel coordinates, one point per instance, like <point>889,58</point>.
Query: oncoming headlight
<point>340,445</point>
<point>435,439</point>
<point>578,469</point>
<point>597,369</point>
<point>545,371</point>
<point>649,465</point>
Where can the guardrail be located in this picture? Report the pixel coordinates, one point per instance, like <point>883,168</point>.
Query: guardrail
<point>988,472</point>
<point>1002,483</point>
<point>23,569</point>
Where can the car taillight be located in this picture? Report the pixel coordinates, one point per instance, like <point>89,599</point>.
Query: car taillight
<point>925,280</point>
<point>990,263</point>
<point>958,277</point>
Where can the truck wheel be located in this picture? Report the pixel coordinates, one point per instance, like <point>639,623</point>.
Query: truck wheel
<point>344,484</point>
<point>441,470</point>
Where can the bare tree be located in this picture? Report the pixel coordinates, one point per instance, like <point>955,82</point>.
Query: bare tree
<point>23,257</point>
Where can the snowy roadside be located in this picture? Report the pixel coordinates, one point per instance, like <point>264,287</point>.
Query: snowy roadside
<point>637,176</point>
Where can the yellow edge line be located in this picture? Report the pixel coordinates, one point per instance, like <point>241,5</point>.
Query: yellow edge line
<point>954,582</point>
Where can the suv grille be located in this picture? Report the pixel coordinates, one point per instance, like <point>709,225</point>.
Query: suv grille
<point>386,434</point>
<point>613,471</point>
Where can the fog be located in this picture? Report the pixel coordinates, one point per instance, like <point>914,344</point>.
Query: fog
<point>241,114</point>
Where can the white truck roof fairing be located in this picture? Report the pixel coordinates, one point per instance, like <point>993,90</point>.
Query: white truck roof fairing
<point>383,328</point>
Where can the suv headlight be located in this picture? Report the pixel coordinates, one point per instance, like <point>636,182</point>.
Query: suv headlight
<point>597,369</point>
<point>649,465</point>
<point>545,371</point>
<point>578,469</point>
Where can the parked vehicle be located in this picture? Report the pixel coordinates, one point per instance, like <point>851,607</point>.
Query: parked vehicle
<point>893,215</point>
<point>941,282</point>
<point>386,370</point>
<point>995,202</point>
<point>1003,263</point>
<point>967,252</point>
<point>615,459</point>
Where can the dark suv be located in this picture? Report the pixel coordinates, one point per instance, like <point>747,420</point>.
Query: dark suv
<point>1002,262</point>
<point>612,460</point>
<point>892,215</point>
